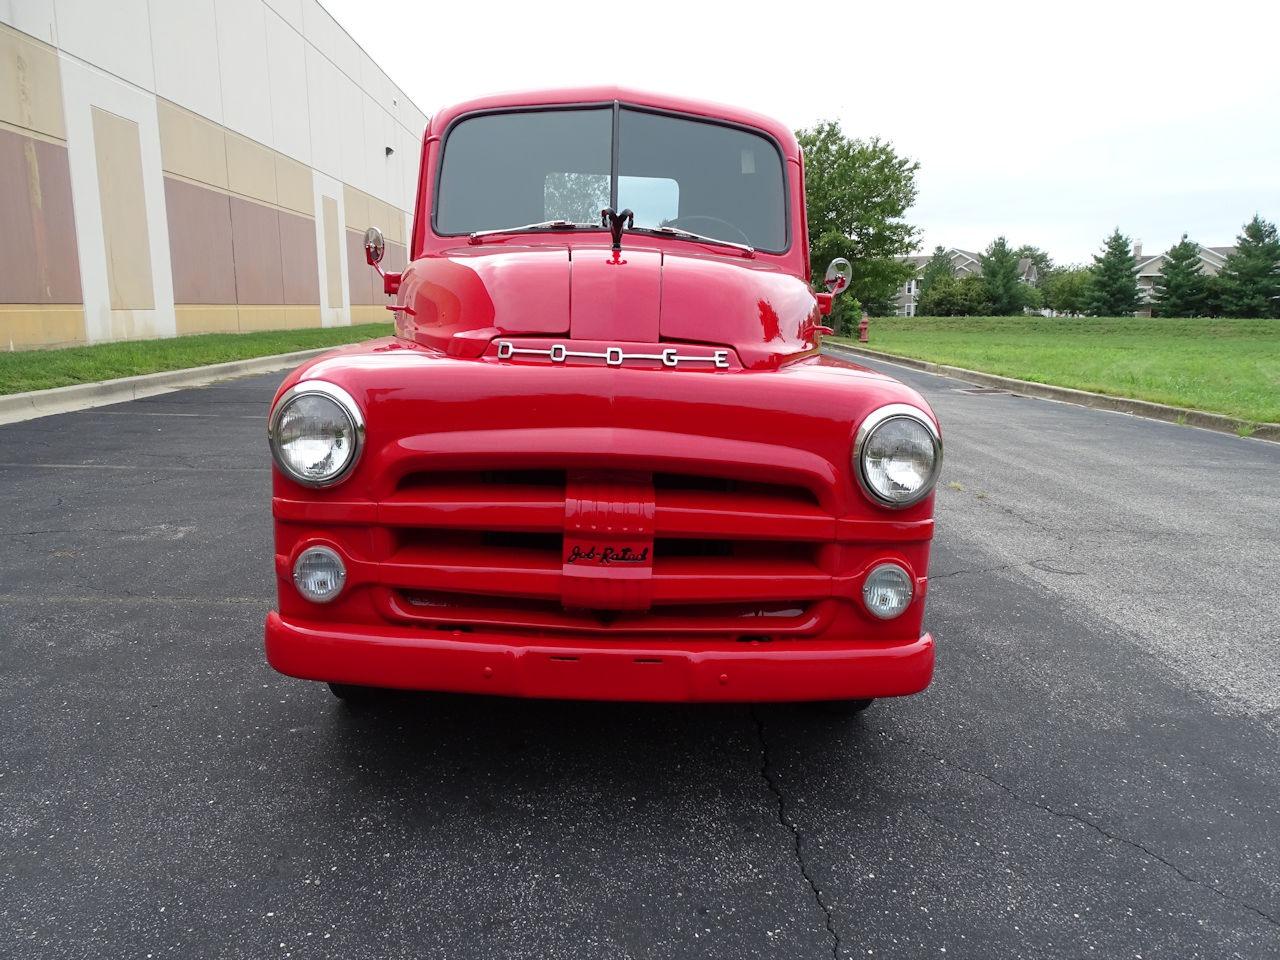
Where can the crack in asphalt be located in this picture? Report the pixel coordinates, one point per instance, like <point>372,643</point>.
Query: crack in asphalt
<point>997,569</point>
<point>1044,567</point>
<point>771,780</point>
<point>1017,515</point>
<point>1098,828</point>
<point>62,530</point>
<point>1040,563</point>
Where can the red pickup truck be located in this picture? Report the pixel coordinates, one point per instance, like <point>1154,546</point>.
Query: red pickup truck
<point>603,456</point>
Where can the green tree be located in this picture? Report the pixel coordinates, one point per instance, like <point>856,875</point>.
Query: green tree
<point>938,266</point>
<point>1066,289</point>
<point>858,193</point>
<point>1000,276</point>
<point>941,299</point>
<point>972,299</point>
<point>955,297</point>
<point>1113,286</point>
<point>1212,295</point>
<point>1180,288</point>
<point>1250,280</point>
<point>1042,260</point>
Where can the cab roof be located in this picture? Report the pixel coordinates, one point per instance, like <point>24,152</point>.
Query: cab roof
<point>624,95</point>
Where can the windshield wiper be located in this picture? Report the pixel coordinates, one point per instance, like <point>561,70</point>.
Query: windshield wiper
<point>479,235</point>
<point>747,249</point>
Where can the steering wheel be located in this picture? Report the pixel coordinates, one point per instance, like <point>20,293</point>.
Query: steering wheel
<point>687,223</point>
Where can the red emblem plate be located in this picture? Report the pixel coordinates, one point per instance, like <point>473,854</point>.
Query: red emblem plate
<point>608,542</point>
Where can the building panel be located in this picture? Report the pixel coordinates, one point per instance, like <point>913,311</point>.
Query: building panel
<point>332,250</point>
<point>294,186</point>
<point>192,146</point>
<point>362,280</point>
<point>200,243</point>
<point>255,242</point>
<point>246,81</point>
<point>290,11</point>
<point>323,80</point>
<point>38,236</point>
<point>298,259</point>
<point>251,168</point>
<point>33,17</point>
<point>30,85</point>
<point>184,46</point>
<point>287,67</point>
<point>114,36</point>
<point>124,219</point>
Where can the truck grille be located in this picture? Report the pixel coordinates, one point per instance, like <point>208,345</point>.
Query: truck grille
<point>489,549</point>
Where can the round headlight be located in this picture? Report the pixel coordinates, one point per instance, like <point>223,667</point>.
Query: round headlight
<point>319,574</point>
<point>897,455</point>
<point>316,432</point>
<point>887,591</point>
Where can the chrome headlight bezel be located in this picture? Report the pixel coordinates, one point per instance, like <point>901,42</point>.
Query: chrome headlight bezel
<point>897,571</point>
<point>339,572</point>
<point>348,408</point>
<point>872,422</point>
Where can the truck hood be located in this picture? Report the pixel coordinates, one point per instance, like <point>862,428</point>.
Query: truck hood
<point>461,300</point>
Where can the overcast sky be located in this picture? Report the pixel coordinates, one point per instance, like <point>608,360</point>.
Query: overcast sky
<point>1050,123</point>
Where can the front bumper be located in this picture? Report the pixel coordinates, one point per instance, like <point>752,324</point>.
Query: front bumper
<point>578,669</point>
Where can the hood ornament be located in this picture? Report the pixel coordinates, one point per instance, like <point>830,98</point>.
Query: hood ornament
<point>616,222</point>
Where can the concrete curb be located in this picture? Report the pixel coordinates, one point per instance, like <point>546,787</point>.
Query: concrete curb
<point>1098,401</point>
<point>15,407</point>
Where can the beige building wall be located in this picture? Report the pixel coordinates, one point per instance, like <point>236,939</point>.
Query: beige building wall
<point>40,294</point>
<point>241,230</point>
<point>176,169</point>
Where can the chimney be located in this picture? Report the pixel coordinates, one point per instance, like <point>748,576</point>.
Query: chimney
<point>1137,249</point>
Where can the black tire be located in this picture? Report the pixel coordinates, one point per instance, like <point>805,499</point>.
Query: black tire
<point>355,696</point>
<point>844,708</point>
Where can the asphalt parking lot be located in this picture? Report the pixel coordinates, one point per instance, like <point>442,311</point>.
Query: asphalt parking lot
<point>1093,773</point>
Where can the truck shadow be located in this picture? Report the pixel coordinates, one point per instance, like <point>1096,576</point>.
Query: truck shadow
<point>497,755</point>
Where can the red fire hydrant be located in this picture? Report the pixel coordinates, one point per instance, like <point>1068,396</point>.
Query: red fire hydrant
<point>862,328</point>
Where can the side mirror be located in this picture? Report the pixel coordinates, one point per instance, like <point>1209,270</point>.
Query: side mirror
<point>375,247</point>
<point>839,275</point>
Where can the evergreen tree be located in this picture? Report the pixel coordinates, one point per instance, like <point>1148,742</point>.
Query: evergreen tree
<point>1250,281</point>
<point>971,297</point>
<point>1212,295</point>
<point>1000,277</point>
<point>1113,286</point>
<point>938,266</point>
<point>1180,288</point>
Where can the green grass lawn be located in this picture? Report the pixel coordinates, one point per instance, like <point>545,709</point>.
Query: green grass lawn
<point>41,369</point>
<point>1223,366</point>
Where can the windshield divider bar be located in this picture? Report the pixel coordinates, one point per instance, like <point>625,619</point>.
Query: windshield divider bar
<point>613,156</point>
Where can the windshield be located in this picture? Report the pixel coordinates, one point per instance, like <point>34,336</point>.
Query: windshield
<point>504,170</point>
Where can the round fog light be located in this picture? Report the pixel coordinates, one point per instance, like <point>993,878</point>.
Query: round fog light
<point>887,591</point>
<point>319,574</point>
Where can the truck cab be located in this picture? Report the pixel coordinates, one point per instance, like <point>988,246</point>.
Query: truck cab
<point>603,456</point>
